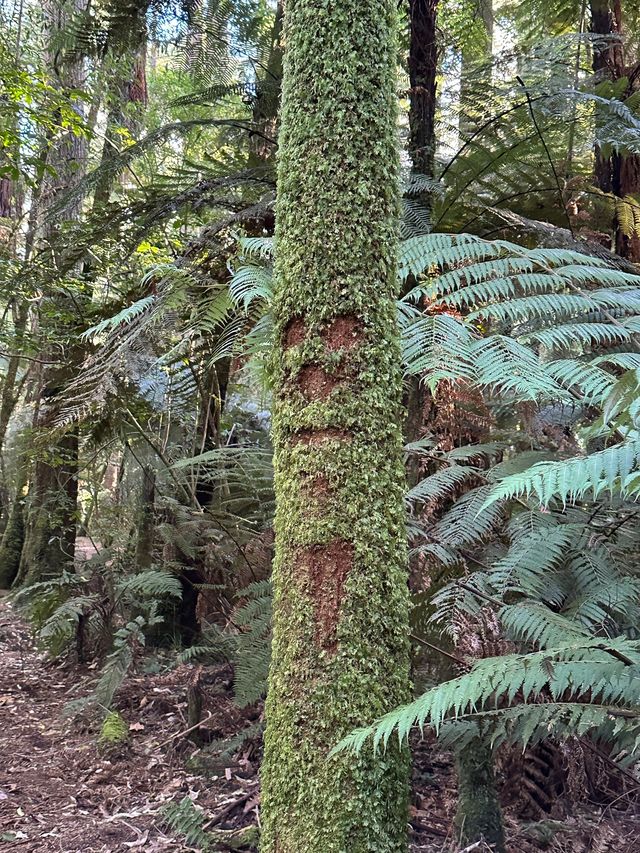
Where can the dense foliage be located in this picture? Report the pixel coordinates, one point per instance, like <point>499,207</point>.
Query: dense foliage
<point>152,323</point>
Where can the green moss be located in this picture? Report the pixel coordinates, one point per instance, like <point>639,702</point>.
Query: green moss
<point>114,731</point>
<point>336,258</point>
<point>478,816</point>
<point>12,542</point>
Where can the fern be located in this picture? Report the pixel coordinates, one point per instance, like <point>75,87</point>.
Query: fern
<point>62,625</point>
<point>188,821</point>
<point>613,470</point>
<point>606,671</point>
<point>149,585</point>
<point>253,650</point>
<point>118,662</point>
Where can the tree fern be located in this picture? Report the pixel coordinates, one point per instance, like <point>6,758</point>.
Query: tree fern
<point>613,470</point>
<point>590,677</point>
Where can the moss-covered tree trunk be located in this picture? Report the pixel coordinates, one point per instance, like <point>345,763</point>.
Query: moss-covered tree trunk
<point>50,529</point>
<point>12,541</point>
<point>340,647</point>
<point>478,817</point>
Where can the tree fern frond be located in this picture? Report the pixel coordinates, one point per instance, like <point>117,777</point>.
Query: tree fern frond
<point>150,584</point>
<point>470,521</point>
<point>537,625</point>
<point>122,318</point>
<point>442,484</point>
<point>569,480</point>
<point>606,670</point>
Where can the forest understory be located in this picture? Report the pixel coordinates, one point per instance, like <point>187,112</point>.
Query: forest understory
<point>320,426</point>
<point>61,792</point>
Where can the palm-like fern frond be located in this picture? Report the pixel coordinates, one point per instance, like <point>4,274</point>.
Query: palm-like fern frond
<point>583,685</point>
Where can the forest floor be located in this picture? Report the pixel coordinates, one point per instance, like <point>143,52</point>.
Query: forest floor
<point>60,793</point>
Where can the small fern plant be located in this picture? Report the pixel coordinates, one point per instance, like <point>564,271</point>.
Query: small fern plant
<point>100,613</point>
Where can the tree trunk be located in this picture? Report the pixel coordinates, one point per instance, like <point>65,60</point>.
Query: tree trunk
<point>146,521</point>
<point>50,530</point>
<point>127,49</point>
<point>50,527</point>
<point>478,817</point>
<point>340,644</point>
<point>617,173</point>
<point>265,111</point>
<point>12,540</point>
<point>423,70</point>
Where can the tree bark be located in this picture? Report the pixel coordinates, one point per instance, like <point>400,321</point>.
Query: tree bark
<point>145,521</point>
<point>265,111</point>
<point>50,525</point>
<point>423,70</point>
<point>617,173</point>
<point>478,817</point>
<point>340,644</point>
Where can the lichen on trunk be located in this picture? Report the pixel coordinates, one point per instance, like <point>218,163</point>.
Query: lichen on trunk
<point>340,646</point>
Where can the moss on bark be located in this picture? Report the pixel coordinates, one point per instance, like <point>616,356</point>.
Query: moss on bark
<point>479,816</point>
<point>12,541</point>
<point>340,647</point>
<point>51,518</point>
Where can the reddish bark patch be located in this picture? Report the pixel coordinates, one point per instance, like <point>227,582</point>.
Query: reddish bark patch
<point>295,332</point>
<point>343,332</point>
<point>326,567</point>
<point>317,491</point>
<point>317,437</point>
<point>315,383</point>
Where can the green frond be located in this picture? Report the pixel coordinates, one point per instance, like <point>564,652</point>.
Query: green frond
<point>257,247</point>
<point>537,625</point>
<point>188,821</point>
<point>253,651</point>
<point>122,318</point>
<point>418,254</point>
<point>61,626</point>
<point>584,335</point>
<point>531,560</point>
<point>442,485</point>
<point>607,670</point>
<point>612,470</point>
<point>437,347</point>
<point>506,366</point>
<point>591,381</point>
<point>152,584</point>
<point>470,521</point>
<point>213,646</point>
<point>249,283</point>
<point>117,663</point>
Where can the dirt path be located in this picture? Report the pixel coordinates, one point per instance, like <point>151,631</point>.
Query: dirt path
<point>58,792</point>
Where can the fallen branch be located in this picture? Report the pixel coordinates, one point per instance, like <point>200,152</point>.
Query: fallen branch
<point>184,732</point>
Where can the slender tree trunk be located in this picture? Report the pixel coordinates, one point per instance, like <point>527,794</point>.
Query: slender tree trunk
<point>617,173</point>
<point>340,645</point>
<point>13,536</point>
<point>478,817</point>
<point>265,111</point>
<point>145,521</point>
<point>423,70</point>
<point>475,69</point>
<point>126,57</point>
